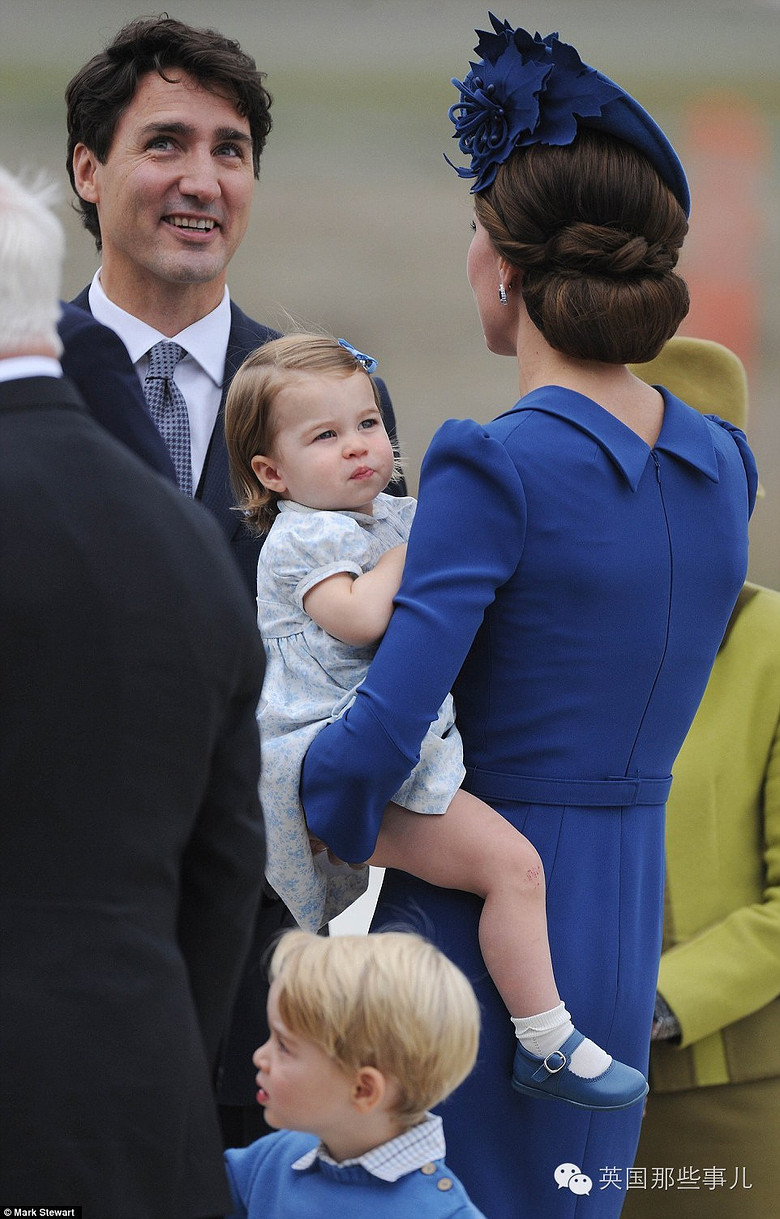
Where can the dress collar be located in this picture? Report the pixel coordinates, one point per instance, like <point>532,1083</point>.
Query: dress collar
<point>381,510</point>
<point>685,434</point>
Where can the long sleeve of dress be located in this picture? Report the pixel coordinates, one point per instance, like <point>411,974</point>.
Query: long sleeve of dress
<point>466,541</point>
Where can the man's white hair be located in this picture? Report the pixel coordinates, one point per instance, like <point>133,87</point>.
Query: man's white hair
<point>32,248</point>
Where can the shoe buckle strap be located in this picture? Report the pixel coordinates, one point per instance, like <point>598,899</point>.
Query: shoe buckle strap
<point>551,1065</point>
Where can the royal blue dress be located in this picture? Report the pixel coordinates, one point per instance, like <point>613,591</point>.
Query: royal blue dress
<point>571,586</point>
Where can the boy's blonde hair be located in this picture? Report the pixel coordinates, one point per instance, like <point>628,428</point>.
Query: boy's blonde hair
<point>249,416</point>
<point>390,1000</point>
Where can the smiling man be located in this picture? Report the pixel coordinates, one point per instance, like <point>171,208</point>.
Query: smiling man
<point>173,199</point>
<point>166,127</point>
<point>165,131</point>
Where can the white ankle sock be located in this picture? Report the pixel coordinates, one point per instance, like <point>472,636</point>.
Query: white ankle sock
<point>544,1032</point>
<point>547,1031</point>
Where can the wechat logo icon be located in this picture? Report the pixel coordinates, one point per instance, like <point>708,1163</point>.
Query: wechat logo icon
<point>570,1177</point>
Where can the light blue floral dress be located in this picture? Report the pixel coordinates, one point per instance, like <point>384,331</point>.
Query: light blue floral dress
<point>310,680</point>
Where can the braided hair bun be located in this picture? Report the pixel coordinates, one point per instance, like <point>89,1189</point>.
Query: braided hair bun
<point>597,234</point>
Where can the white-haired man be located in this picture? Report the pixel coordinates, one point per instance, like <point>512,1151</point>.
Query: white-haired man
<point>129,759</point>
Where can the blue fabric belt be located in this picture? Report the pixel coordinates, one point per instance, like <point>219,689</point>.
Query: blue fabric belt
<point>594,793</point>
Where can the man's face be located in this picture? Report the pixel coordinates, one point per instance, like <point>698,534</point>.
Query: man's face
<point>174,195</point>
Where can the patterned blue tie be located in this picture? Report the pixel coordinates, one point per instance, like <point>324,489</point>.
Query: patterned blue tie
<point>168,408</point>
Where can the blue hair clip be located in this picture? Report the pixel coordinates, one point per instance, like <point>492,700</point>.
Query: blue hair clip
<point>367,363</point>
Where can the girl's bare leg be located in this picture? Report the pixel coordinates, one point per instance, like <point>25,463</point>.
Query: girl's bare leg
<point>473,848</point>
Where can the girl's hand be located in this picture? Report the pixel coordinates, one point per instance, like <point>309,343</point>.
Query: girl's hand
<point>318,846</point>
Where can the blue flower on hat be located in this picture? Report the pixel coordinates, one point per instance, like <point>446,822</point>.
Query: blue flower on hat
<point>523,91</point>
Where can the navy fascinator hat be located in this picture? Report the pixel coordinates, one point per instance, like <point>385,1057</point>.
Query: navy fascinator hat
<point>533,90</point>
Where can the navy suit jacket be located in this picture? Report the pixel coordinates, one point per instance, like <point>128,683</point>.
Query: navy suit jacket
<point>214,487</point>
<point>133,862</point>
<point>95,359</point>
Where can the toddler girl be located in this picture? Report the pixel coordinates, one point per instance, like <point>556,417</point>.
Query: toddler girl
<point>310,461</point>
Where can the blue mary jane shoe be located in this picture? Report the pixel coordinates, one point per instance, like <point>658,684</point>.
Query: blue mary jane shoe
<point>618,1087</point>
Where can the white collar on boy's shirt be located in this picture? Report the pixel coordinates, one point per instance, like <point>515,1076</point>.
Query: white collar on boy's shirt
<point>201,372</point>
<point>405,1153</point>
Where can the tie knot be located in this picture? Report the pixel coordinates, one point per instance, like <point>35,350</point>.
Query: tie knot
<point>163,358</point>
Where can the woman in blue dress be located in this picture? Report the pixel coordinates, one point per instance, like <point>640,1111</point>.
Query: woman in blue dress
<point>570,572</point>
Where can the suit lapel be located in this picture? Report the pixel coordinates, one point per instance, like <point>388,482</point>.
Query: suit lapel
<point>82,300</point>
<point>214,486</point>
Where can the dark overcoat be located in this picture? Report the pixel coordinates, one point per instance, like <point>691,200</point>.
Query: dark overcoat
<point>132,837</point>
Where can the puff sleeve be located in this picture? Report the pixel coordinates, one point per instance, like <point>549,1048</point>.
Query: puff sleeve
<point>303,549</point>
<point>745,452</point>
<point>466,541</point>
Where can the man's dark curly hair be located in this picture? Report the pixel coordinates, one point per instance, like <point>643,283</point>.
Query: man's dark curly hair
<point>101,91</point>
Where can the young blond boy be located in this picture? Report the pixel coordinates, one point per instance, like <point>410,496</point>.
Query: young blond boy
<point>366,1034</point>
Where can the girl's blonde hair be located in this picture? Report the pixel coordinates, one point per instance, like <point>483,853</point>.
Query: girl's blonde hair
<point>249,415</point>
<point>390,1000</point>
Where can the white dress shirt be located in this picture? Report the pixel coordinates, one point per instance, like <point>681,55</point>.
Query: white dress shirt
<point>199,375</point>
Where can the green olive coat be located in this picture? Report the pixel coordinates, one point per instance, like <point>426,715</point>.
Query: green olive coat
<point>720,971</point>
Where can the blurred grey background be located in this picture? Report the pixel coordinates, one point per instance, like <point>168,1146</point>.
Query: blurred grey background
<point>361,227</point>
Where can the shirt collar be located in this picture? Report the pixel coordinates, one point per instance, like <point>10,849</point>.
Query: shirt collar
<point>404,1154</point>
<point>15,368</point>
<point>684,432</point>
<point>205,340</point>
